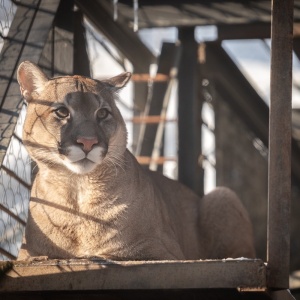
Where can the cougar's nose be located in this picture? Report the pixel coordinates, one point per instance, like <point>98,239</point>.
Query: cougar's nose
<point>87,142</point>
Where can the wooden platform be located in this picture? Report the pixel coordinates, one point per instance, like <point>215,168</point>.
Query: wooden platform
<point>95,276</point>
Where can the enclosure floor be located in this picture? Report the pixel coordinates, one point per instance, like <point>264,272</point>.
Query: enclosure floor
<point>93,278</point>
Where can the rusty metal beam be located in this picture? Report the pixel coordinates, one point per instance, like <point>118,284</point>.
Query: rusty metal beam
<point>259,30</point>
<point>190,100</point>
<point>279,193</point>
<point>99,275</point>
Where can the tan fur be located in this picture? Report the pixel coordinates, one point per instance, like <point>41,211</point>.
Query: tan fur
<point>110,207</point>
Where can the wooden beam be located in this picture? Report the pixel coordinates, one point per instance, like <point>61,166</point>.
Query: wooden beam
<point>97,275</point>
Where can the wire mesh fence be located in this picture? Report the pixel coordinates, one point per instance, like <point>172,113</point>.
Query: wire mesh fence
<point>15,169</point>
<point>7,12</point>
<point>15,181</point>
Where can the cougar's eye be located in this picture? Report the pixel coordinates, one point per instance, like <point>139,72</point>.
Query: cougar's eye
<point>62,112</point>
<point>102,113</point>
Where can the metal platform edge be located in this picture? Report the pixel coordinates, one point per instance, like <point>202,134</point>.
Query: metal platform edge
<point>95,274</point>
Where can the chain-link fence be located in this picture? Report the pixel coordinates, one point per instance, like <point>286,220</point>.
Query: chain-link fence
<point>7,12</point>
<point>15,183</point>
<point>15,169</point>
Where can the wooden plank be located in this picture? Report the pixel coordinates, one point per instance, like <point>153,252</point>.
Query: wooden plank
<point>279,189</point>
<point>67,275</point>
<point>146,160</point>
<point>25,41</point>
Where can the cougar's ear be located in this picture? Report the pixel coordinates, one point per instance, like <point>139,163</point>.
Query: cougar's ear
<point>119,81</point>
<point>31,79</point>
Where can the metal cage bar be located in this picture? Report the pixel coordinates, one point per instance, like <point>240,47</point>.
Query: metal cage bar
<point>279,188</point>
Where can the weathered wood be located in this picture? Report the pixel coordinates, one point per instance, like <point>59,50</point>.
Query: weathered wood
<point>146,160</point>
<point>150,119</point>
<point>147,77</point>
<point>279,188</point>
<point>67,275</point>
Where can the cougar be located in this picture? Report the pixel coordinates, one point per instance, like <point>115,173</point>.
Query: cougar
<point>91,197</point>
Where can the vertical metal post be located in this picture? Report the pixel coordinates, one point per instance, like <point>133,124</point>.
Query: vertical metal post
<point>190,172</point>
<point>278,253</point>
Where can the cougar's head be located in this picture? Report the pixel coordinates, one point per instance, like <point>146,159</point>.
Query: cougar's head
<point>72,121</point>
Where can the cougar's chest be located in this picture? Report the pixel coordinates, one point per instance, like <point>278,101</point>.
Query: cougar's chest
<point>79,219</point>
